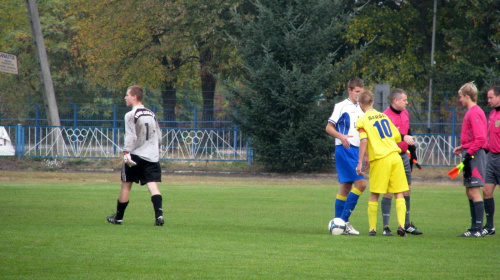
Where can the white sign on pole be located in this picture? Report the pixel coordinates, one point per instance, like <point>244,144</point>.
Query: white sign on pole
<point>6,148</point>
<point>8,63</point>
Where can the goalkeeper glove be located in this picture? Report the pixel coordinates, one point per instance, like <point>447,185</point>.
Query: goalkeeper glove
<point>127,159</point>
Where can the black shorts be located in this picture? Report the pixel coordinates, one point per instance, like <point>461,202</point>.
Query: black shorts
<point>144,172</point>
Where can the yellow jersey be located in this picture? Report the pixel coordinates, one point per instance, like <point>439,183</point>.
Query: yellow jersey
<point>381,133</point>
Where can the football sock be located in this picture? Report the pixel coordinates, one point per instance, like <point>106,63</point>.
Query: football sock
<point>472,214</point>
<point>372,215</point>
<point>407,218</point>
<point>479,208</point>
<point>157,205</point>
<point>350,204</point>
<point>386,210</point>
<point>489,209</point>
<point>401,211</point>
<point>339,205</point>
<point>120,209</point>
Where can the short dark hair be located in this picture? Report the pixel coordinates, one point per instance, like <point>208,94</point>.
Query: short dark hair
<point>355,82</point>
<point>396,93</point>
<point>496,90</point>
<point>136,91</point>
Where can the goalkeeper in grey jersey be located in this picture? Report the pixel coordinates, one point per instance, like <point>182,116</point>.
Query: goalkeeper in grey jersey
<point>141,155</point>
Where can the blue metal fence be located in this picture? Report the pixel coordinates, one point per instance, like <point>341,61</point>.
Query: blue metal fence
<point>185,144</point>
<point>105,142</point>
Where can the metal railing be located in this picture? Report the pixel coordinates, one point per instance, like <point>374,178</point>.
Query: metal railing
<point>99,142</point>
<point>180,144</point>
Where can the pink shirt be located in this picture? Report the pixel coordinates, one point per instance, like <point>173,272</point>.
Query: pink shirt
<point>474,130</point>
<point>402,121</point>
<point>494,131</point>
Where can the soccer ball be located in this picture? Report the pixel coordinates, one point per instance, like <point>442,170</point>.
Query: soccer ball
<point>336,226</point>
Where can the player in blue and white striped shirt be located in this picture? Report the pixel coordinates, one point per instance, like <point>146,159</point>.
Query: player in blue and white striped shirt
<point>342,126</point>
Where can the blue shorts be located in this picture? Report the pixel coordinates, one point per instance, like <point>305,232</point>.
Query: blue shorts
<point>346,161</point>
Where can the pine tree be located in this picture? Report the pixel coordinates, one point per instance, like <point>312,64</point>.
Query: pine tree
<point>289,50</point>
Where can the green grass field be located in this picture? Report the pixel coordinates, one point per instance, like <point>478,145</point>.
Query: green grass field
<point>52,226</point>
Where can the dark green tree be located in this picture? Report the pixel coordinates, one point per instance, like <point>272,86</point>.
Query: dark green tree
<point>289,50</point>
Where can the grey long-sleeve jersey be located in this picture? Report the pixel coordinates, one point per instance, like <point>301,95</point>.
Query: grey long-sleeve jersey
<point>142,134</point>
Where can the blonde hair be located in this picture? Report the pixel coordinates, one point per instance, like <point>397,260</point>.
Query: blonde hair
<point>469,89</point>
<point>366,97</point>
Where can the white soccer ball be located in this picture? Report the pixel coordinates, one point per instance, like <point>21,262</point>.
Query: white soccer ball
<point>336,226</point>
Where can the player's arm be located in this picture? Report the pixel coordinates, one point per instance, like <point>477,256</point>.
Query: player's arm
<point>362,151</point>
<point>130,133</point>
<point>130,140</point>
<point>330,129</point>
<point>159,135</point>
<point>479,130</point>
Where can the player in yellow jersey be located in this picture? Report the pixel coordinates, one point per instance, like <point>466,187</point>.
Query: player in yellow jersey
<point>379,137</point>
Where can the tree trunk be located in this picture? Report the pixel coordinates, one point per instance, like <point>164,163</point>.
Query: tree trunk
<point>169,92</point>
<point>208,83</point>
<point>168,95</point>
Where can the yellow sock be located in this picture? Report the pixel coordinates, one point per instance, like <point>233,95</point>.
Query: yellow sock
<point>372,215</point>
<point>341,197</point>
<point>356,191</point>
<point>401,211</point>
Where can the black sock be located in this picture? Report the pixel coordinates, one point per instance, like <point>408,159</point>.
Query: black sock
<point>489,209</point>
<point>120,209</point>
<point>157,205</point>
<point>479,208</point>
<point>472,214</point>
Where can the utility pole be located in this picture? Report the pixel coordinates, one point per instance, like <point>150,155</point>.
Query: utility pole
<point>45,76</point>
<point>43,65</point>
<point>432,67</point>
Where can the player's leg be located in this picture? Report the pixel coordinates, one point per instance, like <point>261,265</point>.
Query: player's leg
<point>151,176</point>
<point>157,201</point>
<point>379,179</point>
<point>352,199</point>
<point>372,213</point>
<point>343,173</point>
<point>489,207</point>
<point>341,198</point>
<point>350,204</point>
<point>400,213</point>
<point>386,205</point>
<point>121,204</point>
<point>492,179</point>
<point>409,226</point>
<point>473,192</point>
<point>398,184</point>
<point>349,159</point>
<point>477,211</point>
